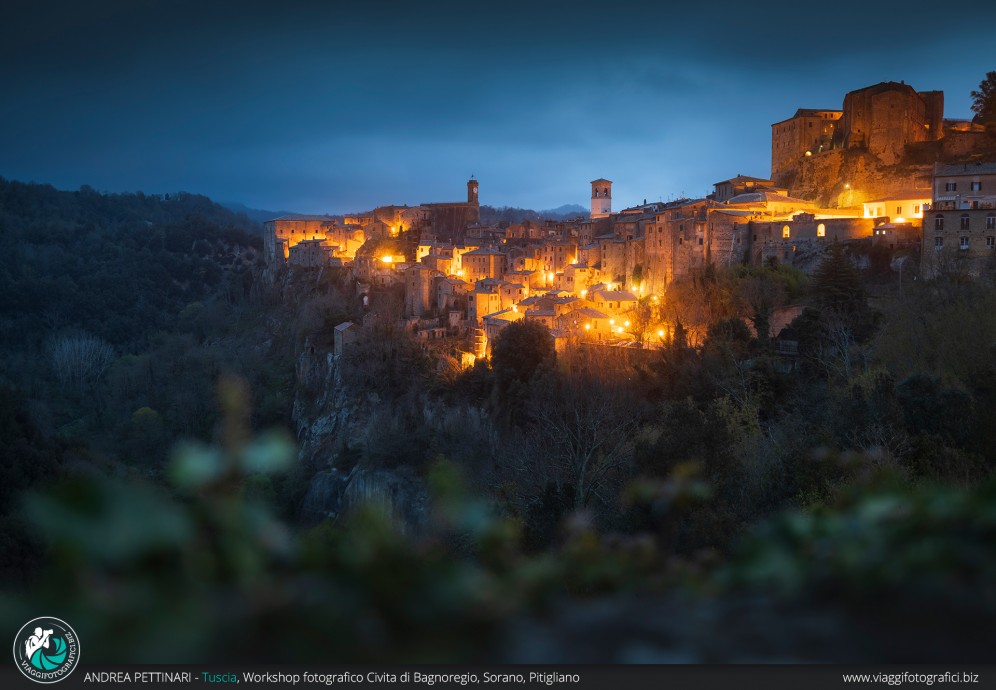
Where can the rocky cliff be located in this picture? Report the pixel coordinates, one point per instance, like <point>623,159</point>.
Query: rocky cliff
<point>332,425</point>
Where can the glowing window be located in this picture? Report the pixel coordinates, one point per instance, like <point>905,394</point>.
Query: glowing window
<point>821,230</point>
<point>786,231</point>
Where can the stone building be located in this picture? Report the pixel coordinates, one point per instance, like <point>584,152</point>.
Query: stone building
<point>280,234</point>
<point>959,226</point>
<point>449,220</point>
<point>725,190</point>
<point>481,263</point>
<point>420,289</point>
<point>808,130</point>
<point>674,243</point>
<point>310,253</point>
<point>882,119</point>
<point>899,207</point>
<point>792,239</point>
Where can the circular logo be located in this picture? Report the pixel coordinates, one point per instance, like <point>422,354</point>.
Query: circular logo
<point>46,650</point>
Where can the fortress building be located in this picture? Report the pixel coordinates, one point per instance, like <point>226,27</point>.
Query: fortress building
<point>880,120</point>
<point>884,118</point>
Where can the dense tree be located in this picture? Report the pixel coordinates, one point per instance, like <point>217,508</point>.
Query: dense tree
<point>837,284</point>
<point>583,435</point>
<point>516,354</point>
<point>984,102</point>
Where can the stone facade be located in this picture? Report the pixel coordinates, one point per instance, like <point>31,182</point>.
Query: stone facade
<point>959,227</point>
<point>884,118</point>
<point>807,131</point>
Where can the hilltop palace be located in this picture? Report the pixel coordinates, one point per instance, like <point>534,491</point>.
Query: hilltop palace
<point>886,168</point>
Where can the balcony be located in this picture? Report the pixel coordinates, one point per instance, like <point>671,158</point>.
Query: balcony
<point>987,202</point>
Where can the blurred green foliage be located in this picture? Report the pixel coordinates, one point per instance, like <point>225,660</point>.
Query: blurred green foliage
<point>207,572</point>
<point>880,548</point>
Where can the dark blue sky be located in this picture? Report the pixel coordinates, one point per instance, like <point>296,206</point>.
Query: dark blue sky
<point>335,107</point>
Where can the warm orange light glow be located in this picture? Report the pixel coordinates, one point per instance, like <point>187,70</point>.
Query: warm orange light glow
<point>660,333</point>
<point>619,330</point>
<point>900,219</point>
<point>387,259</point>
<point>587,326</point>
<point>584,292</point>
<point>612,322</point>
<point>626,324</point>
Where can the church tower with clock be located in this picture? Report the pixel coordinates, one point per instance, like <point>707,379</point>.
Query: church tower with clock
<point>472,191</point>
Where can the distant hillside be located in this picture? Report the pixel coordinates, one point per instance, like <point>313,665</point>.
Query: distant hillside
<point>566,211</point>
<point>258,215</point>
<point>509,214</point>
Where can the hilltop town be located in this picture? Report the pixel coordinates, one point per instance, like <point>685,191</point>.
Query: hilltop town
<point>887,169</point>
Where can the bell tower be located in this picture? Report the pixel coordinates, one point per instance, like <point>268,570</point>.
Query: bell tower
<point>601,198</point>
<point>472,191</point>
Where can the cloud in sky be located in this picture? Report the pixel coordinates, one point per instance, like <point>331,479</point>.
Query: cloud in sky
<point>330,107</point>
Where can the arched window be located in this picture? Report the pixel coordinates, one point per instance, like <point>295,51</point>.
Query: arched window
<point>938,222</point>
<point>786,232</point>
<point>964,221</point>
<point>821,230</point>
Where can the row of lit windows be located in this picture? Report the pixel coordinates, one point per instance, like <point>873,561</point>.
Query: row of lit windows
<point>963,242</point>
<point>953,186</point>
<point>876,211</point>
<point>965,221</point>
<point>821,231</point>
